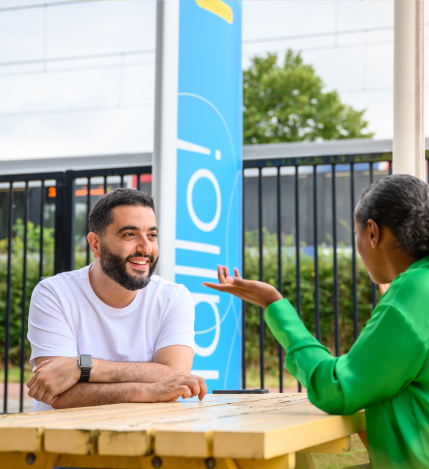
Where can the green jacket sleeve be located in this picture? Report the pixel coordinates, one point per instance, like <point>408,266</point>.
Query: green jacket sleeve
<point>386,357</point>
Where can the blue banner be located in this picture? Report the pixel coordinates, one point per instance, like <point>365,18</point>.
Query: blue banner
<point>209,179</point>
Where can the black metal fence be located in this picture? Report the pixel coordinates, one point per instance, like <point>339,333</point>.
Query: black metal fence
<point>50,201</point>
<point>304,198</point>
<point>286,180</point>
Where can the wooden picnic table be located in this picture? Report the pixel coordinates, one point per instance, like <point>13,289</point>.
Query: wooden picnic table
<point>271,431</point>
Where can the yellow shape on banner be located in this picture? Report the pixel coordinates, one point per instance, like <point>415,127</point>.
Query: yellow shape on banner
<point>217,7</point>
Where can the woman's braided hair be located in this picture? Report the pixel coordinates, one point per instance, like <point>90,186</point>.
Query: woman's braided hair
<point>400,202</point>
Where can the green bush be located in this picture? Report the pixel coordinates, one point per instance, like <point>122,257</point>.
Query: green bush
<point>33,246</point>
<point>252,272</point>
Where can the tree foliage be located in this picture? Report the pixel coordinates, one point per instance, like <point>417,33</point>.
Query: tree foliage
<point>288,104</point>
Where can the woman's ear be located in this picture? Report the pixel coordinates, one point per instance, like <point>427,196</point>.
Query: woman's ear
<point>373,233</point>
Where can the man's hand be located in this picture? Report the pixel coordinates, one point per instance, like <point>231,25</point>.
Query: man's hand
<point>258,293</point>
<point>52,377</point>
<point>182,384</point>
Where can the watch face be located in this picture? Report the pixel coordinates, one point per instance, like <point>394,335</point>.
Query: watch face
<point>85,360</point>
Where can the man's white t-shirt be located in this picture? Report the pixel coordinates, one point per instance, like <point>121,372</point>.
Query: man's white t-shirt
<point>68,319</point>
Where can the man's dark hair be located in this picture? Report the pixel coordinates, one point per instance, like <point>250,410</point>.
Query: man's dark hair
<point>401,203</point>
<point>101,214</point>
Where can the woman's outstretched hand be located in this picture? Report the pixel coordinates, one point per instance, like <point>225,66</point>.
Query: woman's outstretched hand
<point>258,293</point>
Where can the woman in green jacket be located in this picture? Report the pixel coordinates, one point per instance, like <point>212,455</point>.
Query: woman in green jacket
<point>386,371</point>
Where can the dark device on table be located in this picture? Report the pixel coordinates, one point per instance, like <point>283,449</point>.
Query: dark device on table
<point>241,391</point>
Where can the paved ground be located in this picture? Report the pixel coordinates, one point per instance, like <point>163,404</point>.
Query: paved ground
<point>13,391</point>
<point>13,406</point>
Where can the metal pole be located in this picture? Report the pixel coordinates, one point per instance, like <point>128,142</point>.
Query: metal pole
<point>243,303</point>
<point>316,257</point>
<point>42,224</point>
<point>354,275</point>
<point>65,222</point>
<point>279,267</point>
<point>88,209</point>
<point>408,131</point>
<point>297,253</point>
<point>261,279</point>
<point>164,163</point>
<point>24,299</point>
<point>373,285</point>
<point>8,298</point>
<point>334,236</point>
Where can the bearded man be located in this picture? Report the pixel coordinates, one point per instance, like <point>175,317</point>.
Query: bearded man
<point>113,332</point>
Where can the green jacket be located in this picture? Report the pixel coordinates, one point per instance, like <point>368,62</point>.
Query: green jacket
<point>386,371</point>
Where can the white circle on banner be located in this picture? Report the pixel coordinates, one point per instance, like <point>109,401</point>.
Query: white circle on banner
<point>207,351</point>
<point>200,174</point>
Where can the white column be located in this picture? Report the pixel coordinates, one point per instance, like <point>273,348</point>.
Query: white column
<point>408,130</point>
<point>164,161</point>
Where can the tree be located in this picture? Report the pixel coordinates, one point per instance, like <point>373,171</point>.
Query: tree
<point>287,104</point>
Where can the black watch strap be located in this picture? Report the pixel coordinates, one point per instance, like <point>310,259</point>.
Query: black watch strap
<point>84,375</point>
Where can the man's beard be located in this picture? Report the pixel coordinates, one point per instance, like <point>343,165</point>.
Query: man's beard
<point>115,267</point>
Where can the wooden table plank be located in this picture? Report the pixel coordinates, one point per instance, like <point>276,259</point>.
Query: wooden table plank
<point>284,434</point>
<point>101,412</point>
<point>141,419</point>
<point>24,431</point>
<point>109,411</point>
<point>139,433</point>
<point>250,436</point>
<point>238,427</point>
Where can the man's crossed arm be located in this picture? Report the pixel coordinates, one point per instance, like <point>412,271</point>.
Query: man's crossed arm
<point>55,380</point>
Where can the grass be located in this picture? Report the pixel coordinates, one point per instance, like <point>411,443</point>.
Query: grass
<point>357,455</point>
<point>14,375</point>
<point>253,379</point>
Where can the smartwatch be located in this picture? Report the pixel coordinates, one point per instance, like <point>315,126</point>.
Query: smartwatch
<point>85,364</point>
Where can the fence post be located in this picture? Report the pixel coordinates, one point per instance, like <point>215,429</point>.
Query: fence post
<point>64,224</point>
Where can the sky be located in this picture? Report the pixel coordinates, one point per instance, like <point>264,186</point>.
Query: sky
<point>104,105</point>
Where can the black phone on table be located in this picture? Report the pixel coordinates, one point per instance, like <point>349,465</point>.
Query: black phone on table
<point>241,391</point>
